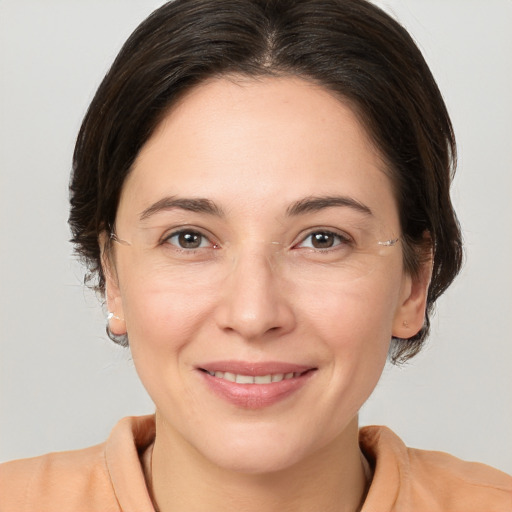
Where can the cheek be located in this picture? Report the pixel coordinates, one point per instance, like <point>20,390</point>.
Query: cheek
<point>353,326</point>
<point>162,323</point>
<point>361,313</point>
<point>162,315</point>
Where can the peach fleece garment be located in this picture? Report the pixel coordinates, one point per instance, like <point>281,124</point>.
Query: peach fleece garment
<point>109,477</point>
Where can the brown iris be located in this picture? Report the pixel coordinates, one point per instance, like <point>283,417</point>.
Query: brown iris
<point>322,240</point>
<point>190,240</point>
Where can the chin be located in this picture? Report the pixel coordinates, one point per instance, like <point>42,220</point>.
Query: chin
<point>254,460</point>
<point>257,448</point>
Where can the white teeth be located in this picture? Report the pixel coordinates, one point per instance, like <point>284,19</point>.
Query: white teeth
<point>244,379</point>
<point>263,379</point>
<point>257,379</point>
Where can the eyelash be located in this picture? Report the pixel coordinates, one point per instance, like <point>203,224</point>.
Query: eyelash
<point>342,239</point>
<point>167,240</point>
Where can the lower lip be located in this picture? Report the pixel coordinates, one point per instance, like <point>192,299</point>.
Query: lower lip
<point>255,396</point>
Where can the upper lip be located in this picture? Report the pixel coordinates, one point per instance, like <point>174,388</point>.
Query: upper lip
<point>254,368</point>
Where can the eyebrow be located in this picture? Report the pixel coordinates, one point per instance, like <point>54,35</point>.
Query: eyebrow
<point>317,203</point>
<point>305,205</point>
<point>198,205</point>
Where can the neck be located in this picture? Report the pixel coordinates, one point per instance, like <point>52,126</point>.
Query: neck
<point>333,479</point>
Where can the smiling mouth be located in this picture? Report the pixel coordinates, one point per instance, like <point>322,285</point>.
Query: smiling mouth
<point>255,379</point>
<point>255,386</point>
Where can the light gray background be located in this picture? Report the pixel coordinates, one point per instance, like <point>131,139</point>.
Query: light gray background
<point>63,385</point>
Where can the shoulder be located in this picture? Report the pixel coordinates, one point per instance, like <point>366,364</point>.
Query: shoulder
<point>74,480</point>
<point>103,478</point>
<point>458,483</point>
<point>430,480</point>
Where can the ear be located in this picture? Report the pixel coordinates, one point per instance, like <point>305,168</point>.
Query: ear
<point>410,314</point>
<point>113,297</point>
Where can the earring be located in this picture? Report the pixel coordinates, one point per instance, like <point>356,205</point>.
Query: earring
<point>405,323</point>
<point>112,315</point>
<point>120,339</point>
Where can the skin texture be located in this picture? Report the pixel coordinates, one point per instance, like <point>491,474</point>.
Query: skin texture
<point>255,292</point>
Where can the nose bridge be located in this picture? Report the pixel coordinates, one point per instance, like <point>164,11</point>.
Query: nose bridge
<point>253,302</point>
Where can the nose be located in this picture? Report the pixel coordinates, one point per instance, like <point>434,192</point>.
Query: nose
<point>253,300</point>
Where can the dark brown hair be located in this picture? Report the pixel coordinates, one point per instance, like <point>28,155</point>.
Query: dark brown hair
<point>350,47</point>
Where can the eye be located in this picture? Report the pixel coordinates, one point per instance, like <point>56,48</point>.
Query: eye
<point>189,239</point>
<point>323,240</point>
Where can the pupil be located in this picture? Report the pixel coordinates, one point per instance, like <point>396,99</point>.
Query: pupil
<point>322,240</point>
<point>189,240</point>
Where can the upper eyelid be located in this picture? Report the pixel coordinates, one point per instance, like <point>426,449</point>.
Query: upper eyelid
<point>330,231</point>
<point>311,231</point>
<point>298,239</point>
<point>184,229</point>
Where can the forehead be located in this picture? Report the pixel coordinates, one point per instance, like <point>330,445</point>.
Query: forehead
<point>261,143</point>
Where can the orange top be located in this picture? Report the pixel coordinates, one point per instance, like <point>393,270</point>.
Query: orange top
<point>109,477</point>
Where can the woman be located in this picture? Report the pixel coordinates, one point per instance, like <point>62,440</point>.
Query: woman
<point>262,191</point>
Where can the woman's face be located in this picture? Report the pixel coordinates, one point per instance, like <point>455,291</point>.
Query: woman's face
<point>250,229</point>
